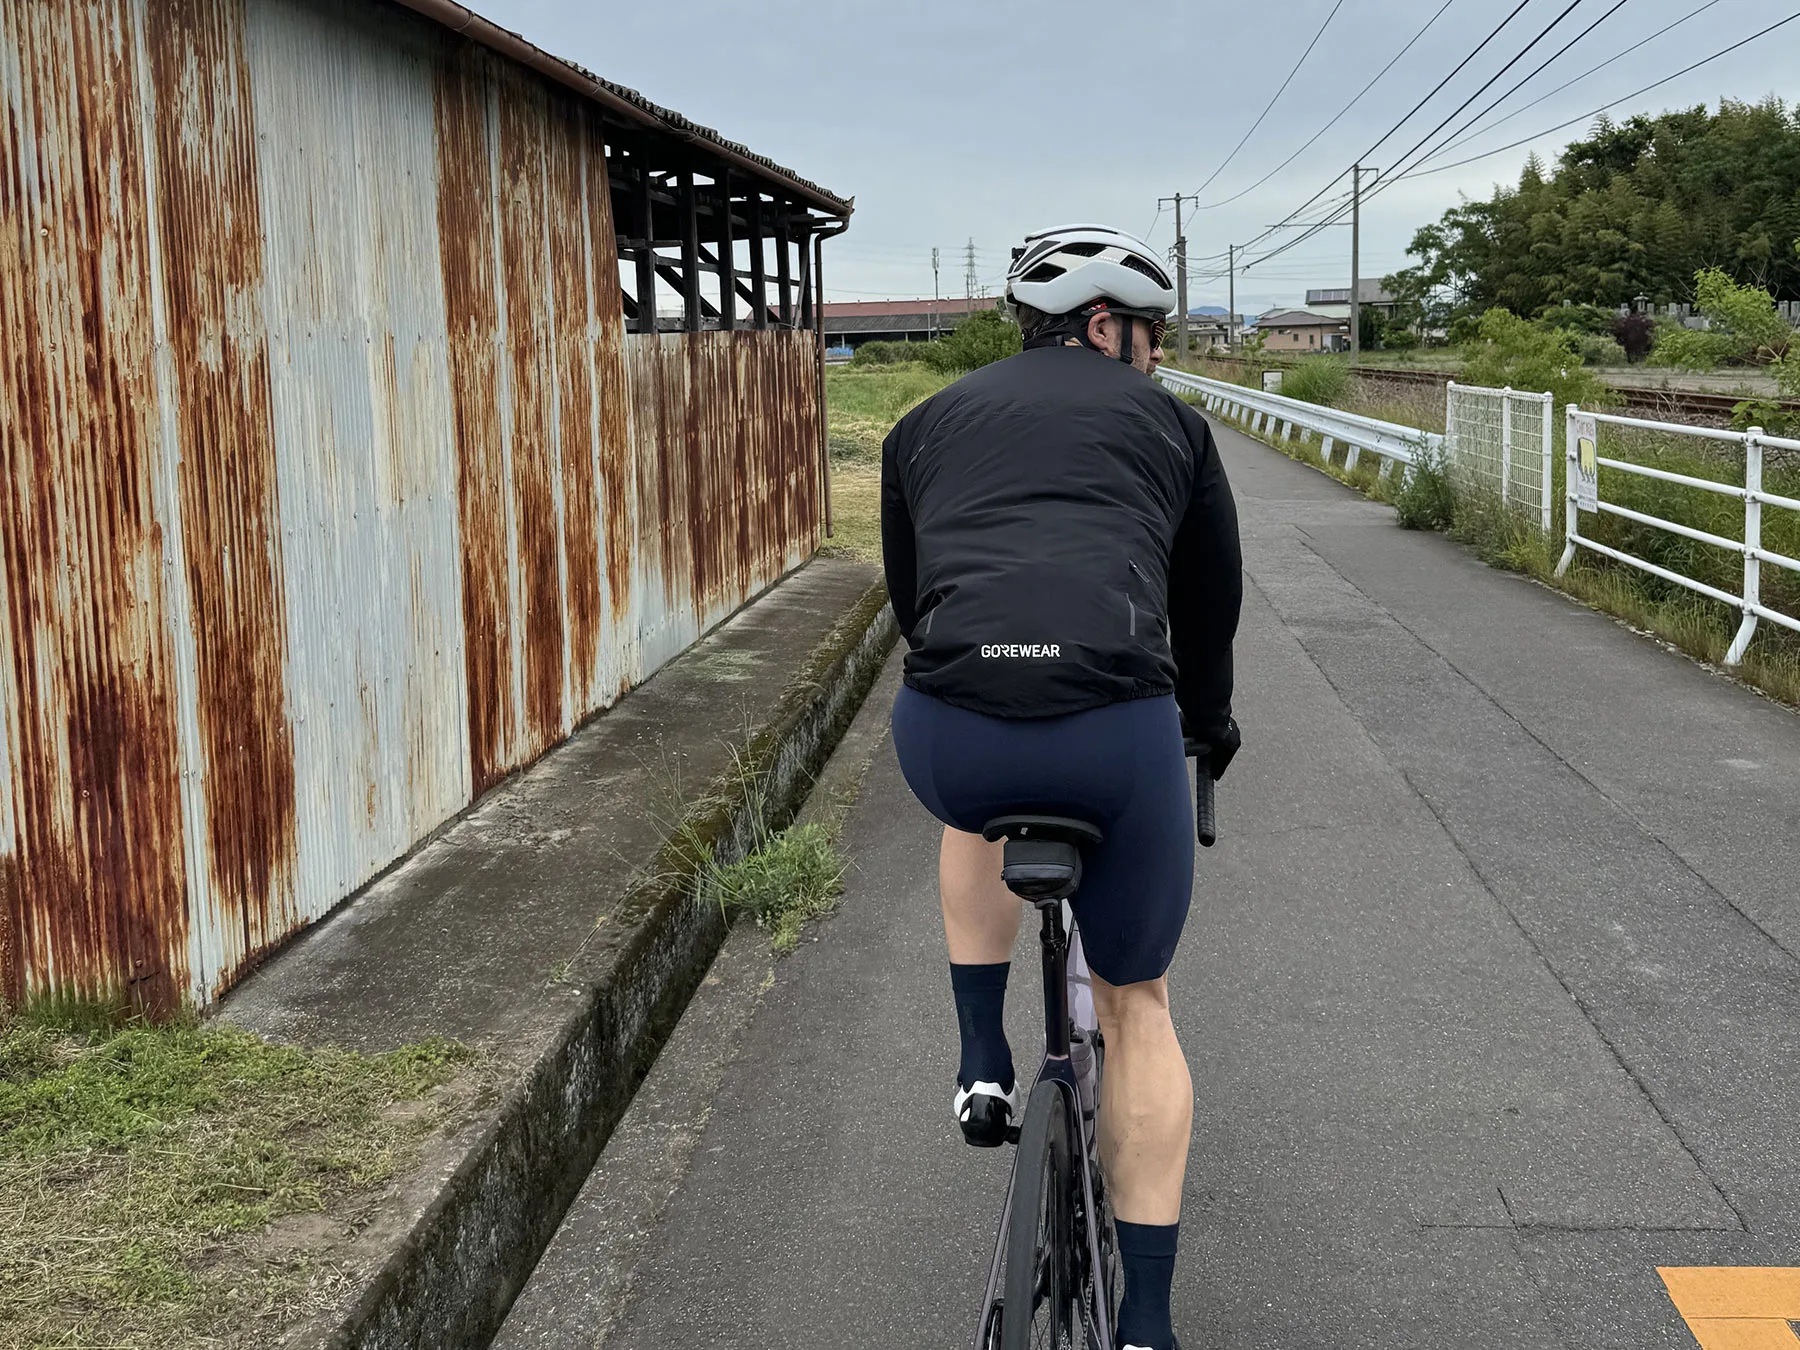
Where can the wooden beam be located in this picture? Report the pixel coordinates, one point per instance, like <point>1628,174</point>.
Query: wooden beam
<point>646,258</point>
<point>727,258</point>
<point>690,256</point>
<point>784,273</point>
<point>759,281</point>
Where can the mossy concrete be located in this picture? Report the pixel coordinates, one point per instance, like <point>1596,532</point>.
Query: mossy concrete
<point>561,926</point>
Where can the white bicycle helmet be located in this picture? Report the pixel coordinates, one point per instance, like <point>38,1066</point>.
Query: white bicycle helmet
<point>1065,269</point>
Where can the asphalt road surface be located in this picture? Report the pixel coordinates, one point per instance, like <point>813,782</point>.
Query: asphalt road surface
<point>1489,992</point>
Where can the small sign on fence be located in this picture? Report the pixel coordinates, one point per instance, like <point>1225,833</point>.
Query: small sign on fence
<point>1586,432</point>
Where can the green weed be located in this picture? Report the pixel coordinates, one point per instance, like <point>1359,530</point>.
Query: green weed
<point>793,877</point>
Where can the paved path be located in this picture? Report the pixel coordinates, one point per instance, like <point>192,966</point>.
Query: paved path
<point>1490,991</point>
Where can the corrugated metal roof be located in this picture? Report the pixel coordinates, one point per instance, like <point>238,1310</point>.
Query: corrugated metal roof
<point>619,99</point>
<point>873,309</point>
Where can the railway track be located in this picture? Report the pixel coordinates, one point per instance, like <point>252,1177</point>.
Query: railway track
<point>1671,405</point>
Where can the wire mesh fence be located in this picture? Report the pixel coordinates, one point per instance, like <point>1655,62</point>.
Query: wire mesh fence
<point>1499,444</point>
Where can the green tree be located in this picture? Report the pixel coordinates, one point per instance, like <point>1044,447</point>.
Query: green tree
<point>1634,208</point>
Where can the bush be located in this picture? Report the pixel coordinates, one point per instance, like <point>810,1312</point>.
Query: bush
<point>887,353</point>
<point>1426,500</point>
<point>1512,351</point>
<point>1745,326</point>
<point>1765,413</point>
<point>1691,348</point>
<point>1599,351</point>
<point>1593,320</point>
<point>1399,338</point>
<point>1636,334</point>
<point>984,337</point>
<point>1318,379</point>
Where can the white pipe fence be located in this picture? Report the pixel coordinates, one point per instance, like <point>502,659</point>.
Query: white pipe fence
<point>1265,412</point>
<point>1752,494</point>
<point>1500,442</point>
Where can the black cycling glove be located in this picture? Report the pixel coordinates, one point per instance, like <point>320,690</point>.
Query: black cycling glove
<point>1218,750</point>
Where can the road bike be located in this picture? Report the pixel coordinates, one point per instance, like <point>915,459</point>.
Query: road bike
<point>1055,1279</point>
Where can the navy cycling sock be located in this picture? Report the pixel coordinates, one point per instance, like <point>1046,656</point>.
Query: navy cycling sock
<point>1147,1253</point>
<point>980,997</point>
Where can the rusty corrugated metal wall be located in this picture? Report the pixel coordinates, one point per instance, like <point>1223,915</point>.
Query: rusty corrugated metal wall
<point>331,489</point>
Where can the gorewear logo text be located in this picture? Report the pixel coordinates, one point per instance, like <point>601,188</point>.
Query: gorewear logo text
<point>1019,649</point>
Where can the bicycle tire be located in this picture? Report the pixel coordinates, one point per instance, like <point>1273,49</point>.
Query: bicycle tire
<point>1040,1294</point>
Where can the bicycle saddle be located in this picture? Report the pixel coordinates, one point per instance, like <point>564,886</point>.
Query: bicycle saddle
<point>1042,858</point>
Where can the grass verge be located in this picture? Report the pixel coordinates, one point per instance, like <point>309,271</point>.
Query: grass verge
<point>862,406</point>
<point>182,1184</point>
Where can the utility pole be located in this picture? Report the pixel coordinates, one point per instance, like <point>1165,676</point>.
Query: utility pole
<point>1181,291</point>
<point>1356,173</point>
<point>1355,263</point>
<point>1231,298</point>
<point>934,294</point>
<point>970,280</point>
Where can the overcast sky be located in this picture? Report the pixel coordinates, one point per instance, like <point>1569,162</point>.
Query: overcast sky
<point>984,119</point>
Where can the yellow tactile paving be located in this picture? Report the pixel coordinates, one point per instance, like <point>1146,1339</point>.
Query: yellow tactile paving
<point>1736,1307</point>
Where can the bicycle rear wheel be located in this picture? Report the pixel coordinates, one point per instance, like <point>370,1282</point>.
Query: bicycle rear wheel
<point>1040,1310</point>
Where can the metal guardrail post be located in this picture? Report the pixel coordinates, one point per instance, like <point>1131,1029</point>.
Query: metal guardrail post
<point>1549,451</point>
<point>1753,464</point>
<point>1506,445</point>
<point>1571,525</point>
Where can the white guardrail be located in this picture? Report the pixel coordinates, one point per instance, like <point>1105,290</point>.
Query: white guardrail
<point>1393,442</point>
<point>1581,432</point>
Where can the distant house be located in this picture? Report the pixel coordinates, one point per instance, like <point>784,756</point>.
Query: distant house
<point>1335,303</point>
<point>1300,330</point>
<point>1207,326</point>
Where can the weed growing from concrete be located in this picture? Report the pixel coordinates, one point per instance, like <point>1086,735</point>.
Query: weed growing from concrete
<point>145,1172</point>
<point>794,877</point>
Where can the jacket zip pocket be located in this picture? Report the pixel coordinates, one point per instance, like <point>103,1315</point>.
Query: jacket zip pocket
<point>1133,610</point>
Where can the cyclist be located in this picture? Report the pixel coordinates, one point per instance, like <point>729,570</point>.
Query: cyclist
<point>1062,555</point>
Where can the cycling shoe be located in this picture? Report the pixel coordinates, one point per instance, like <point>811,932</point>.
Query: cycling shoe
<point>987,1113</point>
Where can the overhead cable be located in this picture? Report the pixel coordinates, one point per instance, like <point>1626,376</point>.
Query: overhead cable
<point>1272,102</point>
<point>1336,117</point>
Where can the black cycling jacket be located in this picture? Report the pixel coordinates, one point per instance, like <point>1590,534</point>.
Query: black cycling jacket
<point>1059,535</point>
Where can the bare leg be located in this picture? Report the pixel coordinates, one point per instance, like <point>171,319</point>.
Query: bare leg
<point>1146,1102</point>
<point>981,917</point>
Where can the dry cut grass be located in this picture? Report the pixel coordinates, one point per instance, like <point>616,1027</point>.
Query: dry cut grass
<point>178,1185</point>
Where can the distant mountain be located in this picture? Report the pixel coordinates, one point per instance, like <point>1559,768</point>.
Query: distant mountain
<point>1207,312</point>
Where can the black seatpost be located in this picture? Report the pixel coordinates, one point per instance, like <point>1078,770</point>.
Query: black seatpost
<point>1056,981</point>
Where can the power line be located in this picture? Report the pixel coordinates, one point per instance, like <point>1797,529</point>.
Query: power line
<point>1539,68</point>
<point>1272,101</point>
<point>1468,135</point>
<point>1707,60</point>
<point>1226,201</point>
<point>1416,172</point>
<point>1480,47</point>
<point>1424,140</point>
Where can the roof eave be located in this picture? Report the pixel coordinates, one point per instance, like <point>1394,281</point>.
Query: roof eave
<point>625,104</point>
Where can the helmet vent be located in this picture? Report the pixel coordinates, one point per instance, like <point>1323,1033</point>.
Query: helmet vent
<point>1044,272</point>
<point>1137,264</point>
<point>1085,249</point>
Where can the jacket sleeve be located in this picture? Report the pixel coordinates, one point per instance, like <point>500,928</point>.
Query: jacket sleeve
<point>898,551</point>
<point>1206,590</point>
